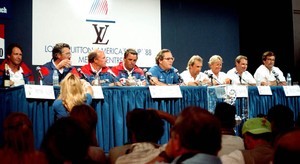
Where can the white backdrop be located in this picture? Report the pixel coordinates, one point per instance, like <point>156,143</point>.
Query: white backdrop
<point>85,25</point>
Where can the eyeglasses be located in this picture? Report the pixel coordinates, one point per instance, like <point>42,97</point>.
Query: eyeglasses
<point>171,58</point>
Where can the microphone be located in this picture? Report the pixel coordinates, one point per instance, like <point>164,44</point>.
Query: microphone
<point>276,76</point>
<point>179,76</point>
<point>149,76</point>
<point>43,72</point>
<point>208,74</point>
<point>145,70</point>
<point>38,68</point>
<point>211,76</point>
<point>82,74</point>
<point>241,79</point>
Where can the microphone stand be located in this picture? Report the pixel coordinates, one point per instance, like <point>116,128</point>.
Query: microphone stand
<point>276,77</point>
<point>40,75</point>
<point>211,79</point>
<point>242,79</point>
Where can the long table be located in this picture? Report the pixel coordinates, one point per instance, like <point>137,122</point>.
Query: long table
<point>111,126</point>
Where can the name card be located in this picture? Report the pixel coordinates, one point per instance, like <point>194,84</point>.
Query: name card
<point>98,93</point>
<point>165,91</point>
<point>291,90</point>
<point>39,92</point>
<point>241,90</point>
<point>264,90</point>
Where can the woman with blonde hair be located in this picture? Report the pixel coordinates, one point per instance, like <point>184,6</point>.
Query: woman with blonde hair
<point>217,76</point>
<point>73,91</point>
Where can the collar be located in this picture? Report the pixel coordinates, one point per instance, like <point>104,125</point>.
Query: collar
<point>162,70</point>
<point>94,70</point>
<point>129,72</point>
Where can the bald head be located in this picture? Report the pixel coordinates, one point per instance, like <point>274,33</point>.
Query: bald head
<point>97,58</point>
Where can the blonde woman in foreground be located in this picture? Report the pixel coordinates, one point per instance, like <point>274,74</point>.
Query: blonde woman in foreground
<point>73,91</point>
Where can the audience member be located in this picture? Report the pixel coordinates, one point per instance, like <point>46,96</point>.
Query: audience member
<point>19,142</point>
<point>66,141</point>
<point>145,128</point>
<point>257,139</point>
<point>165,116</point>
<point>88,118</point>
<point>287,148</point>
<point>73,91</point>
<point>193,76</point>
<point>215,74</point>
<point>267,73</point>
<point>61,61</point>
<point>163,73</point>
<point>19,72</point>
<point>230,141</point>
<point>239,74</point>
<point>127,71</point>
<point>96,72</point>
<point>195,138</point>
<point>281,118</point>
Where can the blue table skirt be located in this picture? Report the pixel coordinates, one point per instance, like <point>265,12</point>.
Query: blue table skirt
<point>111,127</point>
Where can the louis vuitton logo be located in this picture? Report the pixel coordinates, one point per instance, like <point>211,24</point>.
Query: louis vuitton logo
<point>101,31</point>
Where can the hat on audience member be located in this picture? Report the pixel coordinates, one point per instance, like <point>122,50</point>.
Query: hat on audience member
<point>256,126</point>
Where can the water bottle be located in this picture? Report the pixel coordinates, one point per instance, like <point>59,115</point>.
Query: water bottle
<point>55,78</point>
<point>6,77</point>
<point>96,82</point>
<point>289,79</point>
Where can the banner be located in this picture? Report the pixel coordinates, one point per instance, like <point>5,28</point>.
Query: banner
<point>2,41</point>
<point>5,9</point>
<point>110,25</point>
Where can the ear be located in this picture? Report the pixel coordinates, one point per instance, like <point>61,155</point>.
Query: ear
<point>248,141</point>
<point>58,55</point>
<point>160,60</point>
<point>177,144</point>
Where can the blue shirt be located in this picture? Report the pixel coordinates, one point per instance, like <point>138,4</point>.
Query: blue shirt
<point>48,69</point>
<point>60,110</point>
<point>167,77</point>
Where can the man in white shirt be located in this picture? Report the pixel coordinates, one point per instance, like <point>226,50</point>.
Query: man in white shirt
<point>239,74</point>
<point>192,75</point>
<point>267,73</point>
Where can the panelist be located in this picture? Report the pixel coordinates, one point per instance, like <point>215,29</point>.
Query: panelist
<point>127,71</point>
<point>267,73</point>
<point>19,72</point>
<point>193,76</point>
<point>163,73</point>
<point>239,74</point>
<point>61,61</point>
<point>96,72</point>
<point>217,77</point>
